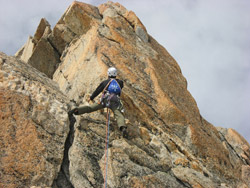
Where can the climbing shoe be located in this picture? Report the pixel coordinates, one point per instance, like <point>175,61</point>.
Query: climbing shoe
<point>74,111</point>
<point>124,131</point>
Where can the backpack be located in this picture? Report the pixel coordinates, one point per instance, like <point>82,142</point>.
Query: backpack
<point>114,87</point>
<point>111,98</point>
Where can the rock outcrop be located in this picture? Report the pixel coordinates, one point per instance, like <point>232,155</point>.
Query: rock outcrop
<point>34,125</point>
<point>170,144</point>
<point>39,51</point>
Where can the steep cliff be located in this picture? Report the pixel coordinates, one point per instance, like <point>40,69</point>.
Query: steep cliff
<point>170,144</point>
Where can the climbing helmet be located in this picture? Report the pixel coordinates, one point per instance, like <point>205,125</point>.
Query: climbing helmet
<point>112,72</point>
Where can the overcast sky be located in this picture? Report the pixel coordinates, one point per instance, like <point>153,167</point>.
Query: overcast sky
<point>210,40</point>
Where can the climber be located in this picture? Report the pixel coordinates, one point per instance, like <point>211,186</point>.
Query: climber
<point>111,91</point>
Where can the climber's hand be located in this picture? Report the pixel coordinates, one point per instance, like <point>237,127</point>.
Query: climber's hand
<point>90,101</point>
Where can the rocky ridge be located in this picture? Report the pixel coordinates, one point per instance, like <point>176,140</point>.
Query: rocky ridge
<point>169,145</point>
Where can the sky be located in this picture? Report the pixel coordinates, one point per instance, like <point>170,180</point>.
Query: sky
<point>210,40</point>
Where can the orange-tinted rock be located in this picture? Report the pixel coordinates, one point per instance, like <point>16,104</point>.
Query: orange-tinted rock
<point>237,142</point>
<point>236,139</point>
<point>170,141</point>
<point>34,126</point>
<point>246,174</point>
<point>155,94</point>
<point>77,20</point>
<point>145,135</point>
<point>21,146</point>
<point>182,161</point>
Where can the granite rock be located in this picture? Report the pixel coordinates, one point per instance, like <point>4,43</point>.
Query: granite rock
<point>169,144</point>
<point>34,125</point>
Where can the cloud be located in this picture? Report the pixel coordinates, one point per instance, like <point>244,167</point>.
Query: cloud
<point>19,19</point>
<point>209,39</point>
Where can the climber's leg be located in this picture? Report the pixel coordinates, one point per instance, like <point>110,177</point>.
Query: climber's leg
<point>89,109</point>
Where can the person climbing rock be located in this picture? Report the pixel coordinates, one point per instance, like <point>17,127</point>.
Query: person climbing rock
<point>111,91</point>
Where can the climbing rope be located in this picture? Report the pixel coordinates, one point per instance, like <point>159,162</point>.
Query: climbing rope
<point>106,148</point>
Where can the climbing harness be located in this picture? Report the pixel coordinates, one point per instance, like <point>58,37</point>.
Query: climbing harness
<point>106,148</point>
<point>103,93</point>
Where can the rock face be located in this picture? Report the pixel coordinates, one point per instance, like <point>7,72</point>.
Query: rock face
<point>169,144</point>
<point>34,125</point>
